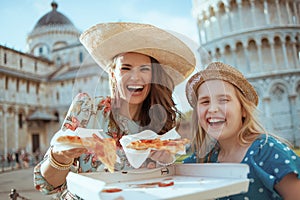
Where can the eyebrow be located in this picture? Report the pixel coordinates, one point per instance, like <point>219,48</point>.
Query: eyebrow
<point>124,64</point>
<point>143,65</point>
<point>208,96</point>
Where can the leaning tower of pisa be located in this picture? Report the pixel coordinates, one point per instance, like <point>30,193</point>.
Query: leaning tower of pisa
<point>262,39</point>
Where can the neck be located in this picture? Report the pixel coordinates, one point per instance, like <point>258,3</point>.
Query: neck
<point>232,151</point>
<point>130,111</point>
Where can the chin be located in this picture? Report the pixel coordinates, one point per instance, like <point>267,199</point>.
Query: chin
<point>135,101</point>
<point>214,134</point>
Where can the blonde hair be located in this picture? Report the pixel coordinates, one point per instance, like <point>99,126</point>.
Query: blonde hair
<point>250,131</point>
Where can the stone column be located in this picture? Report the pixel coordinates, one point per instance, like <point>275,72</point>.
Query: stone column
<point>295,55</point>
<point>204,28</point>
<point>260,63</point>
<point>4,117</point>
<point>286,62</point>
<point>294,119</point>
<point>199,32</point>
<point>219,31</point>
<point>252,2</point>
<point>25,125</point>
<point>289,12</point>
<point>205,34</point>
<point>273,55</point>
<point>16,124</point>
<point>266,12</point>
<point>278,11</point>
<point>234,55</point>
<point>239,5</point>
<point>296,13</point>
<point>222,54</point>
<point>266,102</point>
<point>227,10</point>
<point>2,125</point>
<point>246,54</point>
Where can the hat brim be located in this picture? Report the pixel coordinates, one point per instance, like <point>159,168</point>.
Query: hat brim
<point>225,73</point>
<point>106,40</point>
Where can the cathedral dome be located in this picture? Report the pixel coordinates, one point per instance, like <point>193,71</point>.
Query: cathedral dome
<point>54,22</point>
<point>52,31</point>
<point>53,18</point>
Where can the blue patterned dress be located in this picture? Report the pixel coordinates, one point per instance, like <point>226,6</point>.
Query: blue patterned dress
<point>269,161</point>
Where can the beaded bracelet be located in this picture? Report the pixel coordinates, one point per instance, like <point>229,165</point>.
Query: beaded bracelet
<point>58,165</point>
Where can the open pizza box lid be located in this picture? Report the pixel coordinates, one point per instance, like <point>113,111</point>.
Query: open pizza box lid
<point>191,181</point>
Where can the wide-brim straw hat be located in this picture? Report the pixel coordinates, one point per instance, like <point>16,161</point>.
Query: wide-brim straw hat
<point>220,71</point>
<point>106,40</point>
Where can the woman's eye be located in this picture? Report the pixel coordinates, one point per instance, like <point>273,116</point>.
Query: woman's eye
<point>125,68</point>
<point>224,100</point>
<point>203,102</point>
<point>145,69</point>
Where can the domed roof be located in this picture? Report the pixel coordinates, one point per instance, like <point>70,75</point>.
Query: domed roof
<point>53,18</point>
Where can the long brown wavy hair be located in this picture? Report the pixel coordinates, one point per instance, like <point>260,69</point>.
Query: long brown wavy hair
<point>163,117</point>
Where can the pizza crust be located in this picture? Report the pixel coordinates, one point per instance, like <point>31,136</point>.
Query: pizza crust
<point>172,145</point>
<point>68,139</point>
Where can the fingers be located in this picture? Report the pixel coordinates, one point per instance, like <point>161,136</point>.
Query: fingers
<point>96,137</point>
<point>71,153</point>
<point>161,156</point>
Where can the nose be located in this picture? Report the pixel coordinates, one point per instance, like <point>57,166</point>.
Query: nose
<point>213,108</point>
<point>135,74</point>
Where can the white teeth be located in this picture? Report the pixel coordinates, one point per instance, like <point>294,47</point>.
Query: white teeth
<point>215,120</point>
<point>135,87</point>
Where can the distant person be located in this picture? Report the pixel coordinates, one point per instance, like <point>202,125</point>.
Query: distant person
<point>226,130</point>
<point>17,156</point>
<point>37,155</point>
<point>10,160</point>
<point>2,159</point>
<point>25,159</point>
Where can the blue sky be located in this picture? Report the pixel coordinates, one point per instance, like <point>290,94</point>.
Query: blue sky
<point>18,17</point>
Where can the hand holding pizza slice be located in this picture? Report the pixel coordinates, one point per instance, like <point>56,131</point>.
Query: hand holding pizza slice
<point>103,148</point>
<point>105,151</point>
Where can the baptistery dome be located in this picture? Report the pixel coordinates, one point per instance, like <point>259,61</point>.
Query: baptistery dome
<point>53,18</point>
<point>51,32</point>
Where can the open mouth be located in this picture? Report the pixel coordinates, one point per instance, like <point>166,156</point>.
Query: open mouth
<point>215,121</point>
<point>135,88</point>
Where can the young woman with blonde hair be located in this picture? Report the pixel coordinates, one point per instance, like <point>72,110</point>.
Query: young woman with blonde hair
<point>226,130</point>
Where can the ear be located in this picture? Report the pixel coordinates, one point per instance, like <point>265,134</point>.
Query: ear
<point>244,114</point>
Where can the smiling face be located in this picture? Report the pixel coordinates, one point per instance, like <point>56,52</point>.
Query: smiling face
<point>219,110</point>
<point>133,75</point>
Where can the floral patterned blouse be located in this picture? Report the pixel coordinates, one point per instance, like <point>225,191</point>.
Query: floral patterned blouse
<point>269,161</point>
<point>93,113</point>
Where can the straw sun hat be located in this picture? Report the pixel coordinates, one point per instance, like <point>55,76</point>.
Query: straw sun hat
<point>220,71</point>
<point>106,40</point>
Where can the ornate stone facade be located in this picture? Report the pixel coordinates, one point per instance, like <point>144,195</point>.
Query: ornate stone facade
<point>37,87</point>
<point>262,39</point>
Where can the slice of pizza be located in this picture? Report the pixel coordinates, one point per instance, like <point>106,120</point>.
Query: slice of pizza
<point>103,148</point>
<point>105,151</point>
<point>69,140</point>
<point>172,145</point>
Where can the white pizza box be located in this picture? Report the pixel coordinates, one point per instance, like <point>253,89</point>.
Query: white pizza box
<point>191,181</point>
